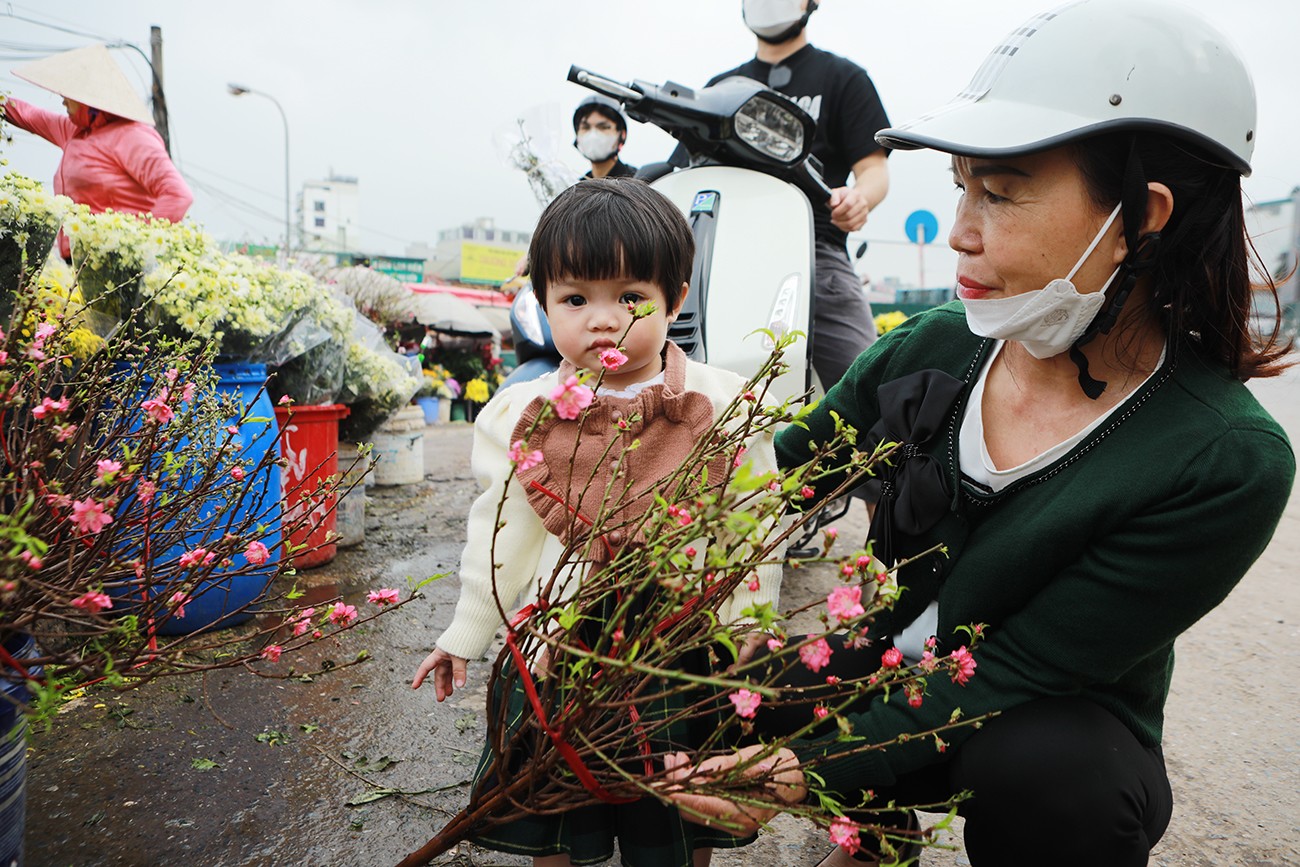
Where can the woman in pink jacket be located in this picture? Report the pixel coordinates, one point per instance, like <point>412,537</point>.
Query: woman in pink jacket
<point>113,158</point>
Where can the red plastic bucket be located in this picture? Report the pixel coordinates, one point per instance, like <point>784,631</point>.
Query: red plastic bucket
<point>309,441</point>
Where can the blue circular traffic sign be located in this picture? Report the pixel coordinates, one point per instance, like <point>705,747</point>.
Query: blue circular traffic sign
<point>921,227</point>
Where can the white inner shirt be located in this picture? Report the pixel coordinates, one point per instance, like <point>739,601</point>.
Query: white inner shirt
<point>632,390</point>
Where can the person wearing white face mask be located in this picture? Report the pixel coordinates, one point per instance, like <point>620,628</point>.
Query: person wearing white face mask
<point>600,131</point>
<point>1074,431</point>
<point>843,102</point>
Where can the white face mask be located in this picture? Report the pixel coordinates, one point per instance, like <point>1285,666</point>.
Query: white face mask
<point>771,17</point>
<point>597,146</point>
<point>1045,321</point>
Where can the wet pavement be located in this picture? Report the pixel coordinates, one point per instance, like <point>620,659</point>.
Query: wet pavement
<point>240,770</point>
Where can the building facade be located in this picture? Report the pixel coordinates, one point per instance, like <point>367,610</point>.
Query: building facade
<point>329,214</point>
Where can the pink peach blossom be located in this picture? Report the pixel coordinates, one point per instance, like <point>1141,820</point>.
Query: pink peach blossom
<point>88,516</point>
<point>343,614</point>
<point>845,603</point>
<point>158,410</point>
<point>821,711</point>
<point>145,490</point>
<point>570,398</point>
<point>271,653</point>
<point>106,468</point>
<point>746,702</point>
<point>891,658</point>
<point>775,644</point>
<point>844,833</point>
<point>256,553</point>
<point>383,596</point>
<point>965,665</point>
<point>196,557</point>
<point>928,663</point>
<point>612,359</point>
<point>92,602</point>
<point>178,600</point>
<point>816,655</point>
<point>523,459</point>
<point>237,473</point>
<point>50,407</point>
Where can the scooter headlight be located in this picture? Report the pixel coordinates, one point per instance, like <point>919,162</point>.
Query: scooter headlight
<point>770,128</point>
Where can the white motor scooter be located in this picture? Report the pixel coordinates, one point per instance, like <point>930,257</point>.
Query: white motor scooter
<point>746,196</point>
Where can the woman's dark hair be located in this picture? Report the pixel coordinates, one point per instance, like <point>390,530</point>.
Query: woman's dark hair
<point>1201,278</point>
<point>611,229</point>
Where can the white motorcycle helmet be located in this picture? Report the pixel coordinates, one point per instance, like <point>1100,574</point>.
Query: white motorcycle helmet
<point>1096,66</point>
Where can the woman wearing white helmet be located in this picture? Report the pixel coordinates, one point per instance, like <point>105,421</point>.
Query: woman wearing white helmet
<point>1076,434</point>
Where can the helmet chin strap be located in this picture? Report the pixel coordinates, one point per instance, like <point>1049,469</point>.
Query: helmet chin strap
<point>1141,258</point>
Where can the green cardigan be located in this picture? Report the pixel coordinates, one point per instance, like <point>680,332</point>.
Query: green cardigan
<point>1086,571</point>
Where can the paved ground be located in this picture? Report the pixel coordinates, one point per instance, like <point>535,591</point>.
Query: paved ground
<point>115,781</point>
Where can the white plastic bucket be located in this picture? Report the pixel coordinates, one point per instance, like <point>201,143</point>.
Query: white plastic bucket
<point>350,513</point>
<point>399,447</point>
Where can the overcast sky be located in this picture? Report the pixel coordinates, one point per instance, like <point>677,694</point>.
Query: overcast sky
<point>407,96</point>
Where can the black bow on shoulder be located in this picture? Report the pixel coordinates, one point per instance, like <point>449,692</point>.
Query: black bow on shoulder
<point>914,492</point>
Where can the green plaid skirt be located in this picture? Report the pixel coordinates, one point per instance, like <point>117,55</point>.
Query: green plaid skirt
<point>649,833</point>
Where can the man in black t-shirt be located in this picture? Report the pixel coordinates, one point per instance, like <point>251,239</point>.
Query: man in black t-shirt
<point>600,131</point>
<point>842,100</point>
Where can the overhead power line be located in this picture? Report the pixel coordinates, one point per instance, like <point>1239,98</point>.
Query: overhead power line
<point>9,13</point>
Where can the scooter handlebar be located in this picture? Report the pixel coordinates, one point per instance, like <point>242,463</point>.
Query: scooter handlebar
<point>601,84</point>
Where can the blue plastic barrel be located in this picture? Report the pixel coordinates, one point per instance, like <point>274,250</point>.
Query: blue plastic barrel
<point>217,603</point>
<point>13,751</point>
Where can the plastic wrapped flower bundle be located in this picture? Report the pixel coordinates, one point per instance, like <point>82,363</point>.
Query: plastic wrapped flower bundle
<point>29,222</point>
<point>377,382</point>
<point>53,295</point>
<point>309,357</point>
<point>185,284</point>
<point>111,254</point>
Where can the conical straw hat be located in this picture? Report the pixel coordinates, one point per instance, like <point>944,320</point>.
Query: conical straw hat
<point>91,77</point>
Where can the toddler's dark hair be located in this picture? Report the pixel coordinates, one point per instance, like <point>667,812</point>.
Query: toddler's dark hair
<point>612,228</point>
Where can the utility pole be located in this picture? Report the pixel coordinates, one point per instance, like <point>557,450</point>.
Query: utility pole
<point>159,99</point>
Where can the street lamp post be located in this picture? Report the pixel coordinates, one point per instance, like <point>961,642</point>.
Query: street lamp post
<point>240,90</point>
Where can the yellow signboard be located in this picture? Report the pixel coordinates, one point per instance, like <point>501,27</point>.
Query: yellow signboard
<point>480,263</point>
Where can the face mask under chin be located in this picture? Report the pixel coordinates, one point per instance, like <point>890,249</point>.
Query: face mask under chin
<point>1045,321</point>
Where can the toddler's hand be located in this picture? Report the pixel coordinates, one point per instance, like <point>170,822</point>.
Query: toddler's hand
<point>447,670</point>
